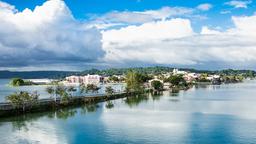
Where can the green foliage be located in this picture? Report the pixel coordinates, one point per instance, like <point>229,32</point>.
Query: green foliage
<point>136,100</point>
<point>134,81</point>
<point>109,105</point>
<point>22,99</point>
<point>88,88</point>
<point>232,78</point>
<point>114,79</point>
<point>20,82</point>
<point>157,85</point>
<point>60,91</point>
<point>143,77</point>
<point>17,82</point>
<point>176,80</point>
<point>109,90</point>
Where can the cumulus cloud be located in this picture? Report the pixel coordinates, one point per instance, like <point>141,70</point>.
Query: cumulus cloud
<point>47,35</point>
<point>238,4</point>
<point>173,42</point>
<point>204,7</point>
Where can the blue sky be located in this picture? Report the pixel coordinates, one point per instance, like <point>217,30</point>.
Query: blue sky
<point>82,9</point>
<point>81,34</point>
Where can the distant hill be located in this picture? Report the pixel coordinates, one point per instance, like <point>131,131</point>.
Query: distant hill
<point>115,71</point>
<point>35,74</point>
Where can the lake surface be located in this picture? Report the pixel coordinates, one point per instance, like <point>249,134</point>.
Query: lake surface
<point>6,89</point>
<point>202,115</point>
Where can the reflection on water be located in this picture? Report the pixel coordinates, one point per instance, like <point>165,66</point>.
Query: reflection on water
<point>211,114</point>
<point>89,108</point>
<point>135,100</point>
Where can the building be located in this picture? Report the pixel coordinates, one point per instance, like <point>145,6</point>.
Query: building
<point>177,72</point>
<point>41,81</point>
<point>88,79</point>
<point>213,77</point>
<point>191,76</point>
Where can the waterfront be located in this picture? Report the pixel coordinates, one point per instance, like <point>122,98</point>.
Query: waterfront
<point>6,90</point>
<point>207,114</point>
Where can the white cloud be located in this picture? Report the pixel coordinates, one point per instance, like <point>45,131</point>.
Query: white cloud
<point>46,35</point>
<point>206,31</point>
<point>204,7</point>
<point>245,25</point>
<point>173,42</point>
<point>239,4</point>
<point>124,18</point>
<point>175,28</point>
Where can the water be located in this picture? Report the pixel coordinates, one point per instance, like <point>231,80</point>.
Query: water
<point>203,115</point>
<point>6,90</point>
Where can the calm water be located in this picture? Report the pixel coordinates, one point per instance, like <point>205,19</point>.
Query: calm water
<point>204,115</point>
<point>5,89</point>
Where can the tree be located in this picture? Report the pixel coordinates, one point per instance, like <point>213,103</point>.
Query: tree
<point>176,80</point>
<point>88,88</point>
<point>157,85</point>
<point>134,81</point>
<point>17,82</point>
<point>60,91</point>
<point>50,90</point>
<point>114,79</point>
<point>109,91</point>
<point>23,99</point>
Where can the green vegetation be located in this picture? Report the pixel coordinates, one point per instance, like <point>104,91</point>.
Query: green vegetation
<point>114,79</point>
<point>161,69</point>
<point>109,105</point>
<point>88,88</point>
<point>23,99</point>
<point>109,91</point>
<point>157,85</point>
<point>134,82</point>
<point>20,82</point>
<point>232,78</point>
<point>176,80</point>
<point>203,78</point>
<point>136,99</point>
<point>60,91</point>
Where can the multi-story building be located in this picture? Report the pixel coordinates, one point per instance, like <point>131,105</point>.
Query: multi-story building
<point>88,79</point>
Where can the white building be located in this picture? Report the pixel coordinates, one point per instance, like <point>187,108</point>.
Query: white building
<point>41,81</point>
<point>88,79</point>
<point>212,77</point>
<point>191,76</point>
<point>177,72</point>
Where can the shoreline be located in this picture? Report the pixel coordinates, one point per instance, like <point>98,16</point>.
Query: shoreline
<point>8,110</point>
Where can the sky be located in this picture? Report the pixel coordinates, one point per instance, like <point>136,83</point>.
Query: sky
<point>83,34</point>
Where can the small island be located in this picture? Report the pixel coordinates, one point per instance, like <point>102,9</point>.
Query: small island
<point>20,82</point>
